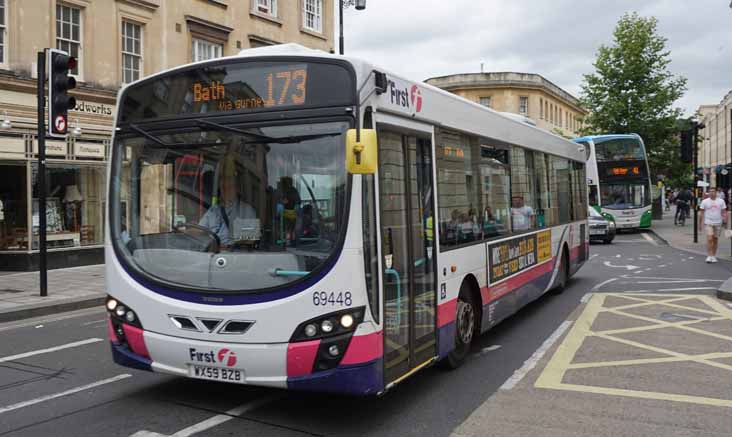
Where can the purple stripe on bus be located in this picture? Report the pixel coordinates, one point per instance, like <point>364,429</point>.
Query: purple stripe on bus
<point>364,379</point>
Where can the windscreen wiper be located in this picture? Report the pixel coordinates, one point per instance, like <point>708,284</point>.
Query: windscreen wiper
<point>166,145</point>
<point>264,139</point>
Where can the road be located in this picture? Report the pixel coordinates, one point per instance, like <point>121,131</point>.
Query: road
<point>57,377</point>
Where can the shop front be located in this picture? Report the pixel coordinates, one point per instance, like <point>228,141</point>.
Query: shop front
<point>75,201</point>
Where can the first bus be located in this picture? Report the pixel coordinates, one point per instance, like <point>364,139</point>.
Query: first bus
<point>274,220</point>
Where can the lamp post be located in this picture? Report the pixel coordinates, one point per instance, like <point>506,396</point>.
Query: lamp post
<point>360,6</point>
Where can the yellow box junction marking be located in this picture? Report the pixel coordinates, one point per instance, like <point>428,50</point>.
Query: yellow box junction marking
<point>553,374</point>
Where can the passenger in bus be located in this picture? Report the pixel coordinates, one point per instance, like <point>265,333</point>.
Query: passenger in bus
<point>287,201</point>
<point>521,214</point>
<point>228,209</point>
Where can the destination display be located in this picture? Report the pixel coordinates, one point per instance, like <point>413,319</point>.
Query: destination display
<point>509,257</point>
<point>239,87</point>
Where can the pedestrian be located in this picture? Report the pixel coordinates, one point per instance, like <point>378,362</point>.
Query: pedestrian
<point>713,216</point>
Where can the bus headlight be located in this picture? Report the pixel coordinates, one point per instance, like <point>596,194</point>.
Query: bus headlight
<point>329,325</point>
<point>111,304</point>
<point>121,313</point>
<point>120,310</point>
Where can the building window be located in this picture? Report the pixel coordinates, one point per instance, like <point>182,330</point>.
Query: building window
<point>541,109</point>
<point>485,101</point>
<point>204,50</point>
<point>131,51</point>
<point>523,105</point>
<point>68,33</point>
<point>3,33</point>
<point>268,7</point>
<point>312,15</point>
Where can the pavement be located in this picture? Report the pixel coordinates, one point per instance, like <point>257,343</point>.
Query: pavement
<point>682,237</point>
<point>68,289</point>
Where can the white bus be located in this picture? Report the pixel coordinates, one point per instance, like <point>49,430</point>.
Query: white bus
<point>619,179</point>
<point>254,239</point>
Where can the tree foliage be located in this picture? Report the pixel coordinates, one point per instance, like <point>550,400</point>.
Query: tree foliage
<point>632,91</point>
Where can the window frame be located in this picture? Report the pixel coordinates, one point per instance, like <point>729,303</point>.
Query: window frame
<point>317,15</point>
<point>5,34</point>
<point>524,104</point>
<point>79,76</point>
<point>123,53</point>
<point>269,5</point>
<point>195,40</point>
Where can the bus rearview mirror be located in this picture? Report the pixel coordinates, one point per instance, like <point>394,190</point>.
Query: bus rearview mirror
<point>361,156</point>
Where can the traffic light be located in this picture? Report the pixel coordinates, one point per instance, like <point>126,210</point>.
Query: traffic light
<point>59,83</point>
<point>687,145</point>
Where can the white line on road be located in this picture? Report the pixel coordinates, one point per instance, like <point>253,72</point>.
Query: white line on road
<point>627,266</point>
<point>586,298</point>
<point>649,239</point>
<point>211,421</point>
<point>50,349</point>
<point>662,289</point>
<point>63,393</point>
<point>36,321</point>
<point>529,364</point>
<point>678,279</point>
<point>597,287</point>
<point>93,322</point>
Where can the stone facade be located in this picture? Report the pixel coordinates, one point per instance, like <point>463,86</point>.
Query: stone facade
<point>527,94</point>
<point>715,147</point>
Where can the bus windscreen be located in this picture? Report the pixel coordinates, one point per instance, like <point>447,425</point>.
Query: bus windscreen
<point>239,87</point>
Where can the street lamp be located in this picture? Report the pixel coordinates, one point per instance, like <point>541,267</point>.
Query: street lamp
<point>360,6</point>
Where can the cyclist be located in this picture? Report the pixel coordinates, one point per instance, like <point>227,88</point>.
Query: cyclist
<point>683,202</point>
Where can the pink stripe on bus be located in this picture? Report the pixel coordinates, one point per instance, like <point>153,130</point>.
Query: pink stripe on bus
<point>301,357</point>
<point>136,340</point>
<point>110,331</point>
<point>446,312</point>
<point>364,348</point>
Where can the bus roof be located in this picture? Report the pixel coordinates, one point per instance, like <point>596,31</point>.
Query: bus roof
<point>421,102</point>
<point>604,137</point>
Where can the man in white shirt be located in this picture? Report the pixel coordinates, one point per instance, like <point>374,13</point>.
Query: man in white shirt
<point>713,216</point>
<point>521,215</point>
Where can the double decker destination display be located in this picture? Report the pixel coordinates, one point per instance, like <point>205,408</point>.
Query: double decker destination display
<point>240,87</point>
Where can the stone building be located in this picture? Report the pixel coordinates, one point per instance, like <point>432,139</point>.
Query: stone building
<point>116,42</point>
<point>715,146</point>
<point>526,94</point>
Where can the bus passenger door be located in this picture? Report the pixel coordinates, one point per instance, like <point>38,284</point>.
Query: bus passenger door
<point>407,244</point>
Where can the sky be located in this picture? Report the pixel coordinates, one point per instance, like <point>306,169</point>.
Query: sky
<point>558,39</point>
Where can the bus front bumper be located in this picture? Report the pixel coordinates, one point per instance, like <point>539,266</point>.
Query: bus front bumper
<point>278,365</point>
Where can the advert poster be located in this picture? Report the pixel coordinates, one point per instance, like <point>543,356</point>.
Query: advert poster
<point>508,257</point>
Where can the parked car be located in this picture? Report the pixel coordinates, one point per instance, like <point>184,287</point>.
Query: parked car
<point>601,229</point>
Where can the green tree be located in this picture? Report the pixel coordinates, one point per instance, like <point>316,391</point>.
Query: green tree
<point>632,91</point>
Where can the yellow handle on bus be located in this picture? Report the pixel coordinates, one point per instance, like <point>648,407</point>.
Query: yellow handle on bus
<point>361,156</point>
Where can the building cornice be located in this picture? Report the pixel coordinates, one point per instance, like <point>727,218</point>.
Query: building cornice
<point>502,80</point>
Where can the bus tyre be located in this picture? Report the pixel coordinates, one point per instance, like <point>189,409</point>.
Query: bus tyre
<point>465,325</point>
<point>562,273</point>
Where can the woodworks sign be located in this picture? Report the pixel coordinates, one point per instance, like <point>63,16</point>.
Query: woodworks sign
<point>93,108</point>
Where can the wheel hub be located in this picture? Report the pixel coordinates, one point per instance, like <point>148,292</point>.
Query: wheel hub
<point>465,321</point>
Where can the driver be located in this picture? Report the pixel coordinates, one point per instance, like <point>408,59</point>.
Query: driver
<point>229,206</point>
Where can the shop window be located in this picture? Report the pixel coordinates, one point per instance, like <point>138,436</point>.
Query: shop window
<point>13,207</point>
<point>75,199</point>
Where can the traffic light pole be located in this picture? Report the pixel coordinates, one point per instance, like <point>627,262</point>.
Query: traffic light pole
<point>694,133</point>
<point>42,172</point>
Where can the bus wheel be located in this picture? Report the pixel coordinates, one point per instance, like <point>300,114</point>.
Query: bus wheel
<point>465,323</point>
<point>563,273</point>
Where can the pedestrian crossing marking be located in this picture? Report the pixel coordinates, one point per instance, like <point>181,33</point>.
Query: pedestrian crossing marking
<point>553,375</point>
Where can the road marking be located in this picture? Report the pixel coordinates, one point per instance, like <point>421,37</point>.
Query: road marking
<point>529,364</point>
<point>597,287</point>
<point>586,298</point>
<point>649,239</point>
<point>628,267</point>
<point>662,289</point>
<point>553,375</point>
<point>211,421</point>
<point>93,322</point>
<point>36,321</point>
<point>491,348</point>
<point>50,349</point>
<point>678,279</point>
<point>63,393</point>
